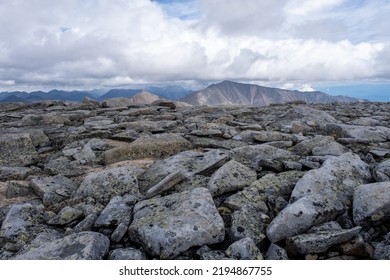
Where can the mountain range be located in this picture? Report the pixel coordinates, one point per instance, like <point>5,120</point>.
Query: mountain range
<point>224,93</point>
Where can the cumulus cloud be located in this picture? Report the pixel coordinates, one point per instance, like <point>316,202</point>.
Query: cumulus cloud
<point>117,43</point>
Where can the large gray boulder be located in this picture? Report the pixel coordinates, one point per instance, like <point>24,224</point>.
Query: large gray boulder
<point>232,176</point>
<point>117,211</point>
<point>382,171</point>
<point>319,242</point>
<point>17,150</point>
<point>191,163</point>
<point>337,176</point>
<point>53,190</point>
<point>22,223</point>
<point>371,203</point>
<point>303,214</point>
<point>78,246</point>
<point>104,185</point>
<point>168,226</point>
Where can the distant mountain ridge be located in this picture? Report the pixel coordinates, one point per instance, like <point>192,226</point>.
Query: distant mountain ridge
<point>233,93</point>
<point>224,93</point>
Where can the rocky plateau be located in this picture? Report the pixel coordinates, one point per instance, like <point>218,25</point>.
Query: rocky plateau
<point>116,180</point>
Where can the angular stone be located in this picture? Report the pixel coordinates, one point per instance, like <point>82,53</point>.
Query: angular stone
<point>313,243</point>
<point>117,211</point>
<point>127,254</point>
<point>244,249</point>
<point>190,162</point>
<point>270,136</point>
<point>53,190</point>
<point>78,246</point>
<point>119,232</point>
<point>64,166</point>
<point>18,189</point>
<point>206,253</point>
<point>250,155</point>
<point>104,185</point>
<point>333,149</point>
<point>371,203</point>
<point>170,225</point>
<point>303,214</point>
<point>155,146</point>
<point>249,221</point>
<point>22,223</point>
<point>14,173</point>
<point>45,119</point>
<point>365,134</point>
<point>276,253</point>
<point>232,176</point>
<point>65,216</point>
<point>382,249</point>
<point>382,171</point>
<point>167,183</point>
<point>306,147</point>
<point>337,176</point>
<point>17,150</point>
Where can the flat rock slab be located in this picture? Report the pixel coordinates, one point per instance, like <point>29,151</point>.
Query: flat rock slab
<point>104,185</point>
<point>232,176</point>
<point>78,246</point>
<point>313,243</point>
<point>190,162</point>
<point>53,190</point>
<point>303,214</point>
<point>170,225</point>
<point>117,211</point>
<point>371,203</point>
<point>338,175</point>
<point>17,150</point>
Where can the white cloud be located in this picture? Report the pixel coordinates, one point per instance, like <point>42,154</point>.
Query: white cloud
<point>114,43</point>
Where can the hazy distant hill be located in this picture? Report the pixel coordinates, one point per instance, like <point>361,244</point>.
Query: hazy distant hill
<point>229,93</point>
<point>40,95</point>
<point>144,97</point>
<point>115,93</point>
<point>170,92</point>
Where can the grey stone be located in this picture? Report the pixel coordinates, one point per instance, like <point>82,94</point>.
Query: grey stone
<point>65,216</point>
<point>333,149</point>
<point>382,249</point>
<point>170,225</point>
<point>382,171</point>
<point>190,162</point>
<point>276,253</point>
<point>249,221</point>
<point>53,190</point>
<point>86,224</point>
<point>303,214</point>
<point>17,150</point>
<point>306,147</point>
<point>154,146</point>
<point>205,253</point>
<point>14,173</point>
<point>127,254</point>
<point>18,189</point>
<point>117,211</point>
<point>312,243</point>
<point>244,249</point>
<point>330,226</point>
<point>337,176</point>
<point>64,166</point>
<point>371,203</point>
<point>250,155</point>
<point>165,184</point>
<point>365,134</point>
<point>119,232</point>
<point>44,119</point>
<point>78,246</point>
<point>104,185</point>
<point>22,223</point>
<point>271,136</point>
<point>232,176</point>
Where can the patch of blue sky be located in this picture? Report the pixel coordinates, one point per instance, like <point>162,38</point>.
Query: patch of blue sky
<point>182,9</point>
<point>370,91</point>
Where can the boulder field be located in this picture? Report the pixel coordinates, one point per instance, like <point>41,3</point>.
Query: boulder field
<point>123,181</point>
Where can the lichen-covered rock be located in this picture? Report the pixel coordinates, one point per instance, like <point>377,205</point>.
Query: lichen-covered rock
<point>127,254</point>
<point>244,249</point>
<point>337,176</point>
<point>117,211</point>
<point>190,162</point>
<point>22,223</point>
<point>170,225</point>
<point>382,171</point>
<point>371,203</point>
<point>155,146</point>
<point>276,253</point>
<point>18,189</point>
<point>250,155</point>
<point>104,185</point>
<point>78,246</point>
<point>365,134</point>
<point>14,173</point>
<point>332,148</point>
<point>45,119</point>
<point>319,242</point>
<point>306,147</point>
<point>249,221</point>
<point>232,176</point>
<point>65,167</point>
<point>17,150</point>
<point>65,216</point>
<point>53,190</point>
<point>303,214</point>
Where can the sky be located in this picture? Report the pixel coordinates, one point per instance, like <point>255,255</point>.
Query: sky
<point>329,45</point>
